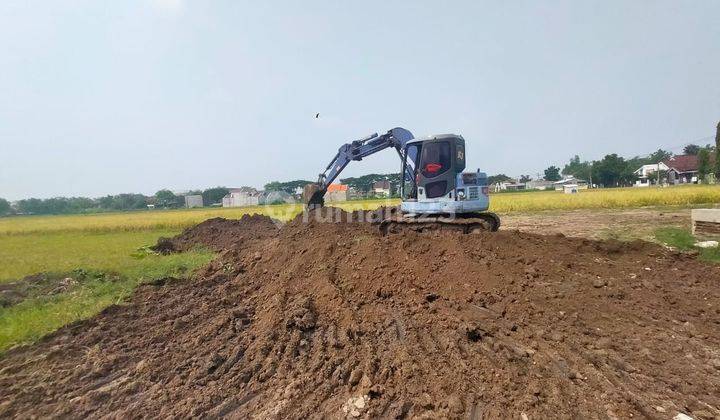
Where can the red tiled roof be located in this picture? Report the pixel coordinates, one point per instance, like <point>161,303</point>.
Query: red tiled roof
<point>683,163</point>
<point>687,163</point>
<point>336,187</point>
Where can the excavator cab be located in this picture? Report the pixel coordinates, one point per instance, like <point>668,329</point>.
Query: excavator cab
<point>435,181</point>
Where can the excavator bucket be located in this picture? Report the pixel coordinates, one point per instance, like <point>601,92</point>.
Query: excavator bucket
<point>313,196</point>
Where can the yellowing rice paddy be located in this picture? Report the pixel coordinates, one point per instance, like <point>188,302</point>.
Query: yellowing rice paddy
<point>500,203</point>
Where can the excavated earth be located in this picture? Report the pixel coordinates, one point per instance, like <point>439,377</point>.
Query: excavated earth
<point>333,320</point>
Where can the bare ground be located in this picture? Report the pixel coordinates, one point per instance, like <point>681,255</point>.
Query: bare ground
<point>600,224</point>
<point>334,320</point>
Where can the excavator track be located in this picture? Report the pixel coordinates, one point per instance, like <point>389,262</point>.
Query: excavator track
<point>465,223</point>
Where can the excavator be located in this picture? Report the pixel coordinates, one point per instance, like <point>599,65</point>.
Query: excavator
<point>436,192</point>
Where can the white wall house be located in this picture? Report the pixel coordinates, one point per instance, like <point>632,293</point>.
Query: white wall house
<point>647,174</point>
<point>538,184</point>
<point>381,188</point>
<point>240,197</point>
<point>578,184</point>
<point>192,201</point>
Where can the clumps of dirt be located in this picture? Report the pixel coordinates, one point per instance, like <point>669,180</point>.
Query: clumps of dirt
<point>219,234</point>
<point>46,284</point>
<point>334,320</point>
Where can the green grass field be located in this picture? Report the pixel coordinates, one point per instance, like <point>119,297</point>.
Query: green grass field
<point>106,245</point>
<point>683,240</point>
<point>109,261</point>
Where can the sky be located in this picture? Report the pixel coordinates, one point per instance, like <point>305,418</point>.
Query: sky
<point>103,97</point>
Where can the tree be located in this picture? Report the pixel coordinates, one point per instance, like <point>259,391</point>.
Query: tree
<point>552,173</point>
<point>365,183</point>
<point>578,169</point>
<point>289,187</point>
<point>136,201</point>
<point>691,149</point>
<point>659,156</point>
<point>614,171</point>
<point>165,198</point>
<point>30,206</point>
<point>4,207</point>
<point>704,168</point>
<point>494,179</point>
<point>525,178</point>
<point>214,195</point>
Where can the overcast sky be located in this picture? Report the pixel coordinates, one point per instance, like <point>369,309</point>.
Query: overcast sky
<point>103,97</point>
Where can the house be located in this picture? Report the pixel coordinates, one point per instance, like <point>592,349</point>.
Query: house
<point>505,185</point>
<point>683,169</point>
<point>538,184</point>
<point>570,188</point>
<point>336,192</point>
<point>243,196</point>
<point>355,194</point>
<point>648,174</point>
<point>276,197</point>
<point>579,184</point>
<point>194,201</point>
<point>515,186</point>
<point>381,188</point>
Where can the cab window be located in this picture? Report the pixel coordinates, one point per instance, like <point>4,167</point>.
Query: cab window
<point>435,159</point>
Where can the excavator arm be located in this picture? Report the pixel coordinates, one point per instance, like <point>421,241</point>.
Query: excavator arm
<point>355,150</point>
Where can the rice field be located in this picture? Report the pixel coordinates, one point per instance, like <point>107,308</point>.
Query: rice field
<point>501,203</point>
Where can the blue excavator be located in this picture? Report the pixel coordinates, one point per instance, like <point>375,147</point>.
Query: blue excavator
<point>437,193</point>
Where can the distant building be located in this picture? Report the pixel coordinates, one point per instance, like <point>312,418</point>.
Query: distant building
<point>579,184</point>
<point>354,194</point>
<point>381,188</point>
<point>515,186</point>
<point>538,184</point>
<point>276,197</point>
<point>684,169</point>
<point>648,174</point>
<point>504,185</point>
<point>194,201</point>
<point>336,192</point>
<point>241,197</point>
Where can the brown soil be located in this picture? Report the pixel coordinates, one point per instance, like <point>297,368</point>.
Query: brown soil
<point>599,223</point>
<point>332,320</point>
<point>219,234</point>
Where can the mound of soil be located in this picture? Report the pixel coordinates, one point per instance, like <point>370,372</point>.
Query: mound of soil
<point>219,234</point>
<point>332,320</point>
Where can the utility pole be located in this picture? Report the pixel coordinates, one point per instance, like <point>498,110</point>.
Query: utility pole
<point>717,154</point>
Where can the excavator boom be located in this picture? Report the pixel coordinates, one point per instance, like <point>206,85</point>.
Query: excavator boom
<point>396,138</point>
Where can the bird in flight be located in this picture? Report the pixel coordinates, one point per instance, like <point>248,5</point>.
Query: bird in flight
<point>317,115</point>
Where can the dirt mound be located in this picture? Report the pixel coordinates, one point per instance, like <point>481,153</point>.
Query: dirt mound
<point>332,320</point>
<point>219,234</point>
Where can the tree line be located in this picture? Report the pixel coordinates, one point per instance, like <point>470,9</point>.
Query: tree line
<point>120,202</point>
<point>615,171</point>
<point>361,184</point>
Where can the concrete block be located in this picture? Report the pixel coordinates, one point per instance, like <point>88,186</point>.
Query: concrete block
<point>706,222</point>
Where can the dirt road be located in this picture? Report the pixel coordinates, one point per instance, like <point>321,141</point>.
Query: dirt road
<point>599,224</point>
<point>332,320</point>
